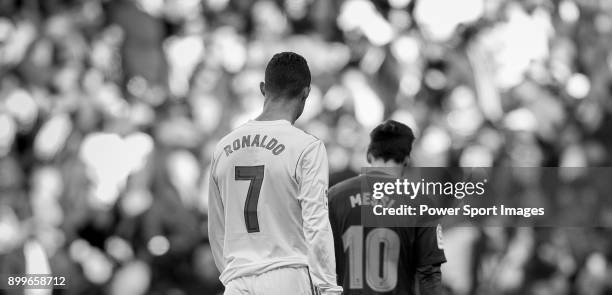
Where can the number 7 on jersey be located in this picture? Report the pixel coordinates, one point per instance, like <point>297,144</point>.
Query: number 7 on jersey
<point>255,174</point>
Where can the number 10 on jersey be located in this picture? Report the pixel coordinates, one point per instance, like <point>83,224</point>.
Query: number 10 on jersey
<point>382,247</point>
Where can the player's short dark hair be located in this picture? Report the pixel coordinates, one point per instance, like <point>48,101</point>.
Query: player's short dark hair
<point>287,74</point>
<point>391,140</point>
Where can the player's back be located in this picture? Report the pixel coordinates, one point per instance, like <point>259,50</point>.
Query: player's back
<point>255,169</point>
<point>381,260</point>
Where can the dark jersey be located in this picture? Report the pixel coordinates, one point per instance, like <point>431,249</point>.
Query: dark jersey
<point>379,260</point>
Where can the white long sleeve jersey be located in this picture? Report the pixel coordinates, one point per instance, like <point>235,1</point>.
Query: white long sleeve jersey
<point>268,203</point>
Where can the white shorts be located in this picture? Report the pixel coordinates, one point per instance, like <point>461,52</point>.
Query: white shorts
<point>280,281</point>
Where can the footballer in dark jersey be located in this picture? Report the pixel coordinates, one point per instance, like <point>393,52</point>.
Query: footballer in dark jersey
<point>383,260</point>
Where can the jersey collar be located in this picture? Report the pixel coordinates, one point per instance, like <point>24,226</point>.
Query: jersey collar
<point>273,122</point>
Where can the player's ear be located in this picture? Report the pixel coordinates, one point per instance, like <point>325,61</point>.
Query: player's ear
<point>262,88</point>
<point>369,158</point>
<point>406,162</point>
<point>305,92</point>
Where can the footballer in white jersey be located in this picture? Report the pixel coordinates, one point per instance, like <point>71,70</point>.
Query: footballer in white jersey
<point>268,217</point>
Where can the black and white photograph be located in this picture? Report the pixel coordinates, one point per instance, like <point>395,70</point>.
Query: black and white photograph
<point>305,147</point>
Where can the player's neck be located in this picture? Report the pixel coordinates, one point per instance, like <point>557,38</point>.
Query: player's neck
<point>388,167</point>
<point>385,164</point>
<point>278,111</point>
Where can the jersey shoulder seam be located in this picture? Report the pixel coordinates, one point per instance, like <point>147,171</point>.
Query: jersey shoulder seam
<point>341,187</point>
<point>305,132</point>
<point>228,135</point>
<point>299,159</point>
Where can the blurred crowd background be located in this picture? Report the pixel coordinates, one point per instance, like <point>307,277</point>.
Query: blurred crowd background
<point>109,110</point>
